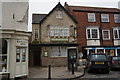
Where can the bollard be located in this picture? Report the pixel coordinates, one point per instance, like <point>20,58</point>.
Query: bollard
<point>72,67</point>
<point>49,71</point>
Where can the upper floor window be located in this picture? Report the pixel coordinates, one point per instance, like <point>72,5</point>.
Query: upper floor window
<point>36,33</point>
<point>59,32</point>
<point>104,17</point>
<point>59,14</point>
<point>106,34</point>
<point>91,17</point>
<point>92,33</point>
<point>116,33</point>
<point>117,18</point>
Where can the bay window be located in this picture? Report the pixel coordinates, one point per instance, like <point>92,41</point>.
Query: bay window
<point>92,33</point>
<point>116,33</point>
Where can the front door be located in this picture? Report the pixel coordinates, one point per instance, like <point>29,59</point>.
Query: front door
<point>72,57</point>
<point>36,58</point>
<point>21,61</point>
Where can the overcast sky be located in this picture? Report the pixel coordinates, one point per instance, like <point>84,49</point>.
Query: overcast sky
<point>45,6</point>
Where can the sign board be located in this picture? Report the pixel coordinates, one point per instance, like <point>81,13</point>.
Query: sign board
<point>21,43</point>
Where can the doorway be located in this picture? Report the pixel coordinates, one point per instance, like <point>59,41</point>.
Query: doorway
<point>36,57</point>
<point>72,58</point>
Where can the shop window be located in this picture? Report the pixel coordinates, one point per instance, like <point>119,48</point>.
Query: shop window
<point>116,33</point>
<point>104,17</point>
<point>58,51</point>
<point>21,55</point>
<point>3,56</point>
<point>18,55</point>
<point>91,51</point>
<point>117,18</point>
<point>118,52</point>
<point>100,51</point>
<point>92,33</point>
<point>106,34</point>
<point>91,17</point>
<point>110,52</point>
<point>107,51</point>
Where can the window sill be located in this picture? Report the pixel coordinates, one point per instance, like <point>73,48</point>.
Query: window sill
<point>93,39</point>
<point>58,56</point>
<point>116,39</point>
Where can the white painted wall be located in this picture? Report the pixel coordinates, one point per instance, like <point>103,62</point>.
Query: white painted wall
<point>93,42</point>
<point>116,42</point>
<point>15,9</point>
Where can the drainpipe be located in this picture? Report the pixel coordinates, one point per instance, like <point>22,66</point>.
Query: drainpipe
<point>100,31</point>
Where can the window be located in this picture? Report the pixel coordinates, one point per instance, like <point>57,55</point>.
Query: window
<point>58,51</point>
<point>104,17</point>
<point>118,52</point>
<point>58,14</point>
<point>3,56</point>
<point>117,18</point>
<point>36,34</point>
<point>116,33</point>
<point>91,17</point>
<point>106,34</point>
<point>59,31</point>
<point>92,33</point>
<point>20,54</point>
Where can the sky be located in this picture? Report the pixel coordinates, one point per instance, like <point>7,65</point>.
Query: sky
<point>45,6</point>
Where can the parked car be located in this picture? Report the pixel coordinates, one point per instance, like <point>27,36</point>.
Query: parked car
<point>98,61</point>
<point>115,62</point>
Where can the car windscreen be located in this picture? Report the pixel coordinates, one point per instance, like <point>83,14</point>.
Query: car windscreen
<point>98,57</point>
<point>116,58</point>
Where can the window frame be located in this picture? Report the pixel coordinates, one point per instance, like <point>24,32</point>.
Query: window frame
<point>117,29</point>
<point>35,33</point>
<point>91,33</point>
<point>105,17</point>
<point>108,35</point>
<point>93,17</point>
<point>60,51</point>
<point>117,18</point>
<point>59,14</point>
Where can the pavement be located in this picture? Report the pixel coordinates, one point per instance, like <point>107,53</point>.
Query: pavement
<point>56,73</point>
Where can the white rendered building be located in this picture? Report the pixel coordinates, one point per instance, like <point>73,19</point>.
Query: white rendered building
<point>14,37</point>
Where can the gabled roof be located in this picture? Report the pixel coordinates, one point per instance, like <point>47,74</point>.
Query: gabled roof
<point>36,18</point>
<point>58,6</point>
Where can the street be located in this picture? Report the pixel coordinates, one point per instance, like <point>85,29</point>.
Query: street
<point>113,75</point>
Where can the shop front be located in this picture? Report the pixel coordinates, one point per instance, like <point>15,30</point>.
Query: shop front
<point>110,51</point>
<point>14,53</point>
<point>55,54</point>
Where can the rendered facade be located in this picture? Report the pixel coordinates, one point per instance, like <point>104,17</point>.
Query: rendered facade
<point>14,38</point>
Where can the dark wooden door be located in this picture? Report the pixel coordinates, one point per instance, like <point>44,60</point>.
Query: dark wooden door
<point>36,58</point>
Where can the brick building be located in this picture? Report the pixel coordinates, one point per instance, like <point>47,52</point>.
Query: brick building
<point>98,29</point>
